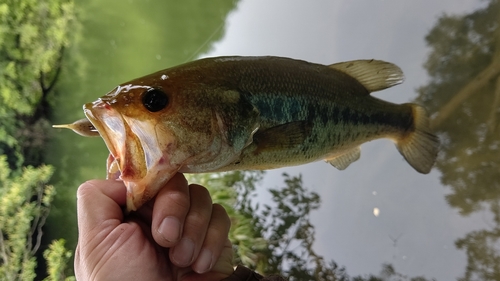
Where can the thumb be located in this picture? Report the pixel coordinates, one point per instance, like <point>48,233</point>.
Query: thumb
<point>99,201</point>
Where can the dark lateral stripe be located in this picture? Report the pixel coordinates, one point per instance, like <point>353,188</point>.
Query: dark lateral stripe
<point>286,110</point>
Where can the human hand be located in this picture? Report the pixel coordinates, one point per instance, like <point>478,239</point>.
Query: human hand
<point>179,236</point>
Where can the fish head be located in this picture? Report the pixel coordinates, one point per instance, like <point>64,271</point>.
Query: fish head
<point>149,138</point>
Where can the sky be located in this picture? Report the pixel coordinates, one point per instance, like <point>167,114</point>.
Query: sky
<point>415,229</point>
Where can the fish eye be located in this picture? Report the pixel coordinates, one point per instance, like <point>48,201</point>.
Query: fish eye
<point>155,100</point>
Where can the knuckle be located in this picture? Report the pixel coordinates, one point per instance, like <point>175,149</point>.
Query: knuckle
<point>219,211</point>
<point>200,191</point>
<point>179,199</point>
<point>86,189</point>
<point>197,218</point>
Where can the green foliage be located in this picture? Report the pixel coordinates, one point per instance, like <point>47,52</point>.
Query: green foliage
<point>25,201</point>
<point>57,257</point>
<point>33,35</point>
<point>232,190</point>
<point>24,205</point>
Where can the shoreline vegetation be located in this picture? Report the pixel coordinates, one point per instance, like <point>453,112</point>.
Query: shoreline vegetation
<point>34,36</point>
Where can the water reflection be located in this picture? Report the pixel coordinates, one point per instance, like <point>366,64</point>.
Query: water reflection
<point>464,95</point>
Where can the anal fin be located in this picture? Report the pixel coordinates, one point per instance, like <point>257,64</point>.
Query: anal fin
<point>345,159</point>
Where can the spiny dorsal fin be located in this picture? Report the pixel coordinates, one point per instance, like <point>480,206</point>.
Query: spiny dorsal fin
<point>345,159</point>
<point>375,75</point>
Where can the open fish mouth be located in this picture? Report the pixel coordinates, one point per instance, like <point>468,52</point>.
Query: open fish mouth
<point>110,126</point>
<point>135,155</point>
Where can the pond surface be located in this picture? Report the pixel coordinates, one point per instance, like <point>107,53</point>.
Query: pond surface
<point>443,225</point>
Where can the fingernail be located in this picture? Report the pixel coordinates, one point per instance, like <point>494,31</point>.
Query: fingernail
<point>204,261</point>
<point>170,229</point>
<point>183,252</point>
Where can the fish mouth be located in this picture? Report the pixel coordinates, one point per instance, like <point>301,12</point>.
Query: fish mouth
<point>111,128</point>
<point>136,155</point>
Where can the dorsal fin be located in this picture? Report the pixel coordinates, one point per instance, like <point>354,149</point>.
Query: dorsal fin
<point>375,75</point>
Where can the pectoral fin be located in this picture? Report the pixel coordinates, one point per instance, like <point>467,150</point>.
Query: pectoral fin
<point>342,161</point>
<point>283,136</point>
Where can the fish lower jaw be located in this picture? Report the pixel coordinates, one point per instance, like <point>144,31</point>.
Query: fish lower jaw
<point>142,190</point>
<point>137,195</point>
<point>131,197</point>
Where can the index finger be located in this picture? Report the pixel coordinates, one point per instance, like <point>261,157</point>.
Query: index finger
<point>170,209</point>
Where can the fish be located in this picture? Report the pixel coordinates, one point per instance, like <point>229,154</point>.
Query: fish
<point>251,113</point>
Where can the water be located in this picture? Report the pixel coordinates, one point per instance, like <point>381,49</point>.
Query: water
<point>377,211</point>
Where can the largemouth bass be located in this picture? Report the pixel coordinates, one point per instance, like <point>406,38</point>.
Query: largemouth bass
<point>242,113</point>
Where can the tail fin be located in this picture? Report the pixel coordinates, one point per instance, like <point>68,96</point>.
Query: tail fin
<point>419,147</point>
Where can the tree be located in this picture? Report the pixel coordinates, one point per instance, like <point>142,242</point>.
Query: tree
<point>464,97</point>
<point>33,35</point>
<point>25,204</point>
